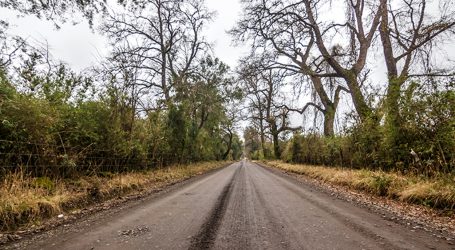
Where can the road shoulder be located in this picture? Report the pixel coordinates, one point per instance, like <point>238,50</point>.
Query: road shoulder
<point>102,210</point>
<point>414,217</point>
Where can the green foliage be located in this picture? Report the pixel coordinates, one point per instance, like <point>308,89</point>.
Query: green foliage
<point>44,183</point>
<point>315,149</point>
<point>426,128</point>
<point>177,130</point>
<point>57,11</point>
<point>380,184</point>
<point>253,147</point>
<point>51,127</point>
<point>237,148</point>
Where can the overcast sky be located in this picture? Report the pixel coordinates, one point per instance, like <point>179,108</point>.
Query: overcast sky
<point>81,47</point>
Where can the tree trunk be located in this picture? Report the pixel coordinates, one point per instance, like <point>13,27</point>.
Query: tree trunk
<point>393,97</point>
<point>364,111</point>
<point>276,142</point>
<point>226,154</point>
<point>393,118</point>
<point>329,106</point>
<point>329,120</point>
<point>261,127</point>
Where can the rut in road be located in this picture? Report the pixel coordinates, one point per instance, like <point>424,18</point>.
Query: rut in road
<point>242,206</point>
<point>206,236</point>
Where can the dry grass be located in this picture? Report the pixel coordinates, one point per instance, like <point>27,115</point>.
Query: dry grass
<point>25,200</point>
<point>437,192</point>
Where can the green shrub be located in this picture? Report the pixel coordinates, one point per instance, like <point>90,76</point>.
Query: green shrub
<point>44,183</point>
<point>381,184</point>
<point>427,129</point>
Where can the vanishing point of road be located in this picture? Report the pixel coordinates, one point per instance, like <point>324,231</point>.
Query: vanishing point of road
<point>241,206</point>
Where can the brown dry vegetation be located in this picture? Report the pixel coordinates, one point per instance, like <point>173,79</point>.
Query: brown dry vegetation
<point>25,200</point>
<point>436,192</point>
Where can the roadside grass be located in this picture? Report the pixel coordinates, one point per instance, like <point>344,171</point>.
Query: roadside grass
<point>26,201</point>
<point>435,192</point>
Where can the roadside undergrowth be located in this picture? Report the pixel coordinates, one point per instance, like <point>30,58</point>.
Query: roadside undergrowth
<point>27,201</point>
<point>437,192</point>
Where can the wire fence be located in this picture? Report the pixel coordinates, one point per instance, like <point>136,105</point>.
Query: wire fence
<point>40,159</point>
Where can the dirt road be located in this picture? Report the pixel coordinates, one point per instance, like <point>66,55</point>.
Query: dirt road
<point>243,206</point>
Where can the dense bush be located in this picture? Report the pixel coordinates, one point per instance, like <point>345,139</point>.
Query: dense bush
<point>318,150</point>
<point>47,132</point>
<point>423,143</point>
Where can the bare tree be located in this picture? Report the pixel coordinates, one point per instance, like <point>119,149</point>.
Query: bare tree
<point>11,47</point>
<point>362,25</point>
<point>302,28</point>
<point>409,32</point>
<point>229,126</point>
<point>256,104</point>
<point>162,39</point>
<point>273,26</point>
<point>267,103</point>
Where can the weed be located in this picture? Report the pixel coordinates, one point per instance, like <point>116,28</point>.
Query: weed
<point>44,182</point>
<point>25,200</point>
<point>435,192</point>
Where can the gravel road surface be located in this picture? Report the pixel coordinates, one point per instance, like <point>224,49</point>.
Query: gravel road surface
<point>242,206</point>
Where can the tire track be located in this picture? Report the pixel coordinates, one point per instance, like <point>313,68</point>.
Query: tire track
<point>271,219</point>
<point>207,234</point>
<point>330,211</point>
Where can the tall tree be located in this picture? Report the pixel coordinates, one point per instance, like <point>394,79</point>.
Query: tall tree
<point>160,38</point>
<point>273,27</point>
<point>250,78</point>
<point>252,141</point>
<point>267,103</point>
<point>362,25</point>
<point>409,31</point>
